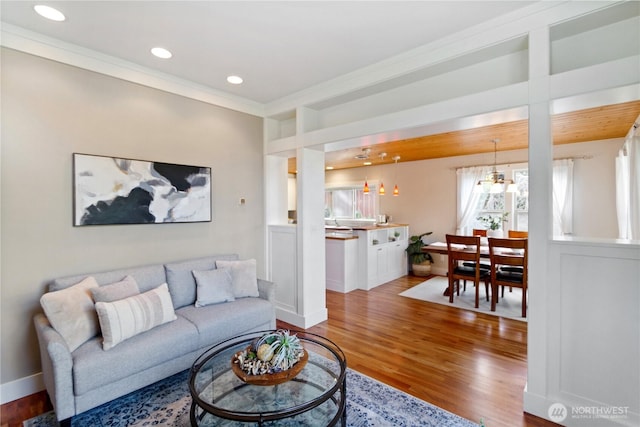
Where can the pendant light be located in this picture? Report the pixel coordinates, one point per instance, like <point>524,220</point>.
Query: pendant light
<point>381,188</point>
<point>396,191</point>
<point>365,156</point>
<point>494,183</point>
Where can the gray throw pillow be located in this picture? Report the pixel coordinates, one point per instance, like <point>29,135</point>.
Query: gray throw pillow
<point>182,284</point>
<point>213,286</point>
<point>125,288</point>
<point>243,275</point>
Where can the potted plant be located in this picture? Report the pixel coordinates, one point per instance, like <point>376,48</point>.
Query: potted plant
<point>493,223</point>
<point>420,261</point>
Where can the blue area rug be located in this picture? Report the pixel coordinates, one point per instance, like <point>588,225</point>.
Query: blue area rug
<point>167,403</point>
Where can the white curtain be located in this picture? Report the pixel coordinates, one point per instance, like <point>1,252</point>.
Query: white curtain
<point>628,187</point>
<point>562,197</point>
<point>467,198</point>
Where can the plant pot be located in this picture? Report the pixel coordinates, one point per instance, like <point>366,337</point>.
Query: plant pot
<point>422,269</point>
<point>495,233</point>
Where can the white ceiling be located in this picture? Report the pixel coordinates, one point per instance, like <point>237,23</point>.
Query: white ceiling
<point>278,47</point>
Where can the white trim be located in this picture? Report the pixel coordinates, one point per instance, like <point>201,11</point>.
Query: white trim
<point>33,43</point>
<point>21,387</point>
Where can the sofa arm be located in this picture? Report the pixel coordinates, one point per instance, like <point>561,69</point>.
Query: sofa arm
<point>267,290</point>
<point>57,368</point>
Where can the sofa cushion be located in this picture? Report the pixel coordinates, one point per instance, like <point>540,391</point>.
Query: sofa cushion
<point>147,277</point>
<point>243,275</point>
<point>213,287</point>
<point>94,368</point>
<point>182,284</point>
<point>70,311</point>
<point>123,319</point>
<point>219,322</point>
<point>125,288</point>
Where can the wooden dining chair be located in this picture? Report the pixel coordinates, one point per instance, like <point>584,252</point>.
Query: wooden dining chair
<point>512,253</point>
<point>461,249</point>
<point>515,234</point>
<point>485,265</point>
<point>479,232</point>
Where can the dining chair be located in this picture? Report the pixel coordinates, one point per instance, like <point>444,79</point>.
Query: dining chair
<point>461,249</point>
<point>479,232</point>
<point>514,234</point>
<point>484,265</point>
<point>518,234</point>
<point>512,253</point>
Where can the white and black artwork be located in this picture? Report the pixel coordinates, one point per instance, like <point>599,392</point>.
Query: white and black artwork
<point>109,190</point>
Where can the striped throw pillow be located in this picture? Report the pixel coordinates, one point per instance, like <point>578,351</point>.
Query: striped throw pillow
<point>125,318</point>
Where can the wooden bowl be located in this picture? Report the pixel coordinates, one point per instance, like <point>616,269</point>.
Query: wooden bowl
<point>269,379</point>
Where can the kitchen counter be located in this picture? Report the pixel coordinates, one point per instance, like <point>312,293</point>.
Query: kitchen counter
<point>380,226</point>
<point>340,236</point>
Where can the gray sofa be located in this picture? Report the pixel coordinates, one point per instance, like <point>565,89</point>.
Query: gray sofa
<point>90,376</point>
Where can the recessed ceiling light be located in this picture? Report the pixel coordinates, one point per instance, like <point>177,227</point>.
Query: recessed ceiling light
<point>161,52</point>
<point>235,80</point>
<point>367,163</point>
<point>49,12</point>
<point>329,168</point>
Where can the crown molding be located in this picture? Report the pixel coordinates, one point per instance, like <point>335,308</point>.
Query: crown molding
<point>20,39</point>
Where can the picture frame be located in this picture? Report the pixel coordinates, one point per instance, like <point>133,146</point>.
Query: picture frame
<point>113,190</point>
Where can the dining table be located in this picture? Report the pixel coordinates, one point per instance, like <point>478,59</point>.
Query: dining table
<point>441,248</point>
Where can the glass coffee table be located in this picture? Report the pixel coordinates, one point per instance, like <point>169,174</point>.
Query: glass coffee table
<point>316,396</point>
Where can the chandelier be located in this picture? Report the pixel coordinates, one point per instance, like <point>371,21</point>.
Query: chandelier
<point>494,182</point>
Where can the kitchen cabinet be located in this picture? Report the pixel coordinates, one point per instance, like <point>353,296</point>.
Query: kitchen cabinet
<point>341,263</point>
<point>381,254</point>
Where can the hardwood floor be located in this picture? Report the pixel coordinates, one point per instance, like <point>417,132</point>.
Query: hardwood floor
<point>471,364</point>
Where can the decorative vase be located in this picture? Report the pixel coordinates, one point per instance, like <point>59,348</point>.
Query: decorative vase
<point>494,233</point>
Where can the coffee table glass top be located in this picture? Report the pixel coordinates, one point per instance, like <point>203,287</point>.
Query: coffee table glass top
<point>316,394</point>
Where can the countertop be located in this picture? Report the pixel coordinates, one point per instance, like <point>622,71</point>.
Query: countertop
<point>338,236</point>
<point>378,227</point>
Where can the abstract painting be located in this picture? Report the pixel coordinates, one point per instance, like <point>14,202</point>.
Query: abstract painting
<point>110,190</point>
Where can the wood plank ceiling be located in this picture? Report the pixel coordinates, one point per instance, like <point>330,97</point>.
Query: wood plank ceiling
<point>611,121</point>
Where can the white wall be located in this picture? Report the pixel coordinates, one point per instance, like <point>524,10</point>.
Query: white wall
<point>50,111</point>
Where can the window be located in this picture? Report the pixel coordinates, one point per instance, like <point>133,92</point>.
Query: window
<point>520,215</point>
<point>489,205</point>
<point>350,203</point>
<point>516,205</point>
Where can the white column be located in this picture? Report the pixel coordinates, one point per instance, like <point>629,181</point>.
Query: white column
<point>540,179</point>
<point>311,237</point>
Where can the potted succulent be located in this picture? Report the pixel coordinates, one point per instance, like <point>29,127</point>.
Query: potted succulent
<point>271,359</point>
<point>420,261</point>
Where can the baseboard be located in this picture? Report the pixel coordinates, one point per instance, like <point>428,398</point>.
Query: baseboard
<point>21,387</point>
<point>578,414</point>
<point>302,322</point>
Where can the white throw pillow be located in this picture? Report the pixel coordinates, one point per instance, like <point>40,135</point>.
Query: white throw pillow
<point>213,286</point>
<point>125,288</point>
<point>243,276</point>
<point>70,311</point>
<point>128,317</point>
